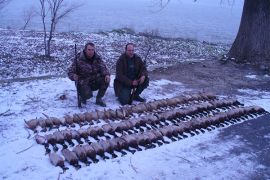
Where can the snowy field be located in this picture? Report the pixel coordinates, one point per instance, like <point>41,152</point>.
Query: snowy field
<point>203,156</point>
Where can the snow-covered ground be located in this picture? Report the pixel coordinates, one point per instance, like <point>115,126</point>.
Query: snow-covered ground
<point>198,157</point>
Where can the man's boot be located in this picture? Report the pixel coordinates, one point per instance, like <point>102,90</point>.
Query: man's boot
<point>100,102</point>
<point>138,98</point>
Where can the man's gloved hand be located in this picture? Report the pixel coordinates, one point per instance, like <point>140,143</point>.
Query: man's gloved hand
<point>142,79</point>
<point>75,77</point>
<point>135,83</point>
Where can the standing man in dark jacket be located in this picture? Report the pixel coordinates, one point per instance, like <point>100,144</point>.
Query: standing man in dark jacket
<point>131,73</point>
<point>91,73</point>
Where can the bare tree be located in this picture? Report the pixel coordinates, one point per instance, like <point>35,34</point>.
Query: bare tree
<point>51,12</point>
<point>252,43</point>
<point>28,14</point>
<point>3,3</point>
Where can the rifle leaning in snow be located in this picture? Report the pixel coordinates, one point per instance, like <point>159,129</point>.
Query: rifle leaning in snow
<point>131,97</point>
<point>79,100</point>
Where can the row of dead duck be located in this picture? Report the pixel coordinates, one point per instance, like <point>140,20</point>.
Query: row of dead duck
<point>133,125</point>
<point>88,152</point>
<point>165,123</point>
<point>125,112</point>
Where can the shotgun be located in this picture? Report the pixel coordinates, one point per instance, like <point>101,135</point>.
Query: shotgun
<point>77,82</point>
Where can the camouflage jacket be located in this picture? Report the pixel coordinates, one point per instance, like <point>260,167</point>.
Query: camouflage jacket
<point>88,69</point>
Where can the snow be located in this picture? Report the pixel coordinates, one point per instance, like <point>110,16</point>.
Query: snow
<point>259,98</point>
<point>251,76</point>
<point>201,156</point>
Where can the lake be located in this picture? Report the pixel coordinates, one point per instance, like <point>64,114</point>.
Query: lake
<point>204,20</point>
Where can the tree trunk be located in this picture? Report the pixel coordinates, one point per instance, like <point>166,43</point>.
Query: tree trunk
<point>252,43</point>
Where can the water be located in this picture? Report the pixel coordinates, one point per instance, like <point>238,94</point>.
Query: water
<point>205,20</point>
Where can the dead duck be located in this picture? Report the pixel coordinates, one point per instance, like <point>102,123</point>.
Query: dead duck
<point>42,124</point>
<point>90,152</point>
<point>43,141</point>
<point>75,135</point>
<point>68,136</point>
<point>81,154</point>
<point>32,124</point>
<point>52,140</point>
<point>69,120</point>
<point>131,141</point>
<point>117,146</point>
<point>99,150</point>
<point>107,147</point>
<point>57,160</point>
<point>71,158</point>
<point>56,122</point>
<point>95,131</point>
<point>79,119</point>
<point>60,139</point>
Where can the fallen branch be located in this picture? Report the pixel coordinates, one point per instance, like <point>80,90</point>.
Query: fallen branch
<point>29,135</point>
<point>33,99</point>
<point>184,159</point>
<point>25,149</point>
<point>46,115</point>
<point>133,167</point>
<point>59,175</point>
<point>5,113</point>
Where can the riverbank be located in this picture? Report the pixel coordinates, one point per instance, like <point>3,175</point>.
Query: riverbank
<point>22,54</point>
